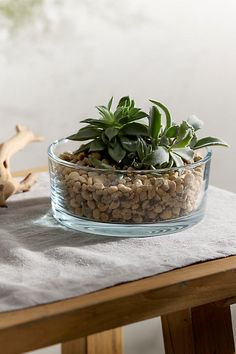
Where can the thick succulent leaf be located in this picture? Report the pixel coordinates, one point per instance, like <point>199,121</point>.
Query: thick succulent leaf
<point>111,132</point>
<point>185,153</point>
<point>104,138</point>
<point>159,156</point>
<point>172,132</point>
<point>110,103</point>
<point>154,122</point>
<point>84,147</point>
<point>116,152</point>
<point>141,148</point>
<point>183,129</point>
<point>166,111</point>
<point>130,118</point>
<point>164,141</point>
<point>195,122</point>
<point>118,113</point>
<point>124,101</point>
<point>134,128</point>
<point>177,159</point>
<point>129,144</point>
<point>193,141</point>
<point>99,164</point>
<point>85,133</point>
<point>132,104</point>
<point>97,145</point>
<point>106,114</point>
<point>209,141</point>
<point>185,140</point>
<point>100,123</point>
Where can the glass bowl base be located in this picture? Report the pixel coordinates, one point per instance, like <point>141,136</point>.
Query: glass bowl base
<point>127,230</point>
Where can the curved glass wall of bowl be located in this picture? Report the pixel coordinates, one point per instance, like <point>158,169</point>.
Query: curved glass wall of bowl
<point>126,203</point>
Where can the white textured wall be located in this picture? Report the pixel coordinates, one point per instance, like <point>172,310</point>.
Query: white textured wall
<point>69,55</point>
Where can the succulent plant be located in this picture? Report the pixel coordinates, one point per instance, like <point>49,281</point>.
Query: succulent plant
<point>147,144</point>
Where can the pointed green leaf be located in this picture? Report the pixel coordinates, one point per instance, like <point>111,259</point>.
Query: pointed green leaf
<point>177,159</point>
<point>185,140</point>
<point>124,101</point>
<point>97,145</point>
<point>128,144</point>
<point>209,141</point>
<point>110,103</point>
<point>185,153</point>
<point>106,114</point>
<point>158,156</point>
<point>85,133</point>
<point>84,147</point>
<point>154,122</point>
<point>111,132</point>
<point>116,152</point>
<point>166,111</point>
<point>172,132</point>
<point>100,123</point>
<point>134,129</point>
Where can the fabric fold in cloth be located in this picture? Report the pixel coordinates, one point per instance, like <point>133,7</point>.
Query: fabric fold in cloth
<point>41,261</point>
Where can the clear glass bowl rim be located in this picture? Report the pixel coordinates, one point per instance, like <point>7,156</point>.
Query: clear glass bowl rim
<point>57,159</point>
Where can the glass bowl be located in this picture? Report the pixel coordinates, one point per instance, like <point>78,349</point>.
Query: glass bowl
<point>126,203</point>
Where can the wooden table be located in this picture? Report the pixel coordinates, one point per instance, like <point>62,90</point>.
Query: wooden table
<point>193,302</point>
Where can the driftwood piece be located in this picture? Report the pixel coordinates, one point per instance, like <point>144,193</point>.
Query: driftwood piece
<point>8,184</point>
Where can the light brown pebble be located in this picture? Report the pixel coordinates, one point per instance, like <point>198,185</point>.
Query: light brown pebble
<point>166,197</point>
<point>138,183</point>
<point>78,211</point>
<point>166,214</point>
<point>115,204</point>
<point>176,211</point>
<point>137,219</point>
<point>96,213</point>
<point>160,191</point>
<point>116,195</point>
<point>135,206</point>
<point>112,189</point>
<point>151,193</point>
<point>126,214</point>
<point>165,185</point>
<point>179,188</point>
<point>116,213</point>
<point>91,204</point>
<point>74,176</point>
<point>143,196</point>
<point>73,203</point>
<point>159,182</point>
<point>188,179</point>
<point>99,185</point>
<point>145,204</point>
<point>158,209</point>
<point>172,186</point>
<point>87,195</point>
<point>104,217</point>
<point>90,181</point>
<point>82,179</point>
<point>76,186</point>
<point>123,188</point>
<point>102,207</point>
<point>152,215</point>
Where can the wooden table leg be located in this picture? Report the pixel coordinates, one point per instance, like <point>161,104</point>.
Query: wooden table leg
<point>204,329</point>
<point>108,342</point>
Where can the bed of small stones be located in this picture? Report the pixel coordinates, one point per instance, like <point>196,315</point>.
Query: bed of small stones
<point>129,198</point>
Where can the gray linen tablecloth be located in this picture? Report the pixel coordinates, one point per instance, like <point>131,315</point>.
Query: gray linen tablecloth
<point>41,261</point>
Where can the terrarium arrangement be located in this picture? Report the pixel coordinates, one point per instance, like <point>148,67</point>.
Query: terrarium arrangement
<point>128,169</point>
